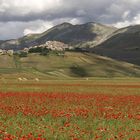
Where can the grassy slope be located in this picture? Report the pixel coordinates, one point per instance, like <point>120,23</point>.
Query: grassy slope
<point>122,45</point>
<point>58,67</point>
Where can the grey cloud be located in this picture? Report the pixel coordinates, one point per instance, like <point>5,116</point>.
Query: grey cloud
<point>28,14</point>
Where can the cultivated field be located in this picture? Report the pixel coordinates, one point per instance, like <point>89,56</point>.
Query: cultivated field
<point>71,65</point>
<point>103,109</point>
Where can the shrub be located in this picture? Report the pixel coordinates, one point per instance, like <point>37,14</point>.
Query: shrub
<point>23,54</point>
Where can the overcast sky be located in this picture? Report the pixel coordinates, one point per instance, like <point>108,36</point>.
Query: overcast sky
<point>21,17</point>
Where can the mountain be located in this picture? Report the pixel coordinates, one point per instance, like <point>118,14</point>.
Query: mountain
<point>85,35</point>
<point>123,44</point>
<point>71,65</point>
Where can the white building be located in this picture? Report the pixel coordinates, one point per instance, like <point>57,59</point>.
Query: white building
<point>10,52</point>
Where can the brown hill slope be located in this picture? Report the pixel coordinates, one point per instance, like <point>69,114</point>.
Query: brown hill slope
<point>124,44</point>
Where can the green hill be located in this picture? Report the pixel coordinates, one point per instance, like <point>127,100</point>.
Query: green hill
<point>72,65</point>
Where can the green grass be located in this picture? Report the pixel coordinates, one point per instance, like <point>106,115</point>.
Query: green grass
<point>72,66</point>
<point>14,85</point>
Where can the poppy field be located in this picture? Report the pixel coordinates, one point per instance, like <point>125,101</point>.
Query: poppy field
<point>70,110</point>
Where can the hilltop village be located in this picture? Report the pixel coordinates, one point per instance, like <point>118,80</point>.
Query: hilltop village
<point>49,45</point>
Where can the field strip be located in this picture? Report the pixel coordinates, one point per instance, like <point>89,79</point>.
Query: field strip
<point>74,85</point>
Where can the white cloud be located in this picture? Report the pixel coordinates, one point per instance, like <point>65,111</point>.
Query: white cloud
<point>126,14</point>
<point>75,21</point>
<point>26,6</point>
<point>38,27</point>
<point>134,21</point>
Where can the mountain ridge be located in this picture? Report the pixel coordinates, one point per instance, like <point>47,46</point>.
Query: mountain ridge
<point>65,32</point>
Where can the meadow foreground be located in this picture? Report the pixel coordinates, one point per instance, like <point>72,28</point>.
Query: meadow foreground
<point>70,110</point>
